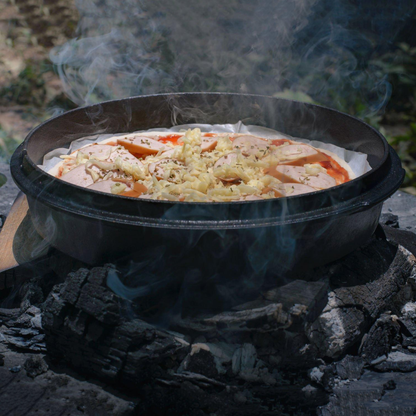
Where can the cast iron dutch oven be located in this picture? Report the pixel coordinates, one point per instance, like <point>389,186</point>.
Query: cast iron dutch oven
<point>251,237</point>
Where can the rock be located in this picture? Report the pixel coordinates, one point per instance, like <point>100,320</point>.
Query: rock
<point>390,220</point>
<point>350,367</point>
<point>398,361</point>
<point>8,191</point>
<point>403,205</point>
<point>379,340</point>
<point>35,366</point>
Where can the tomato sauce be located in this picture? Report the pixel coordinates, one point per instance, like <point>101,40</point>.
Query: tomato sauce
<point>131,193</point>
<point>335,170</point>
<point>137,190</point>
<point>279,142</point>
<point>139,155</point>
<point>172,138</point>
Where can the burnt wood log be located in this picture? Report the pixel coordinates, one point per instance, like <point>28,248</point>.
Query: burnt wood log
<point>87,325</point>
<point>350,311</point>
<point>93,330</point>
<point>22,329</point>
<point>381,337</point>
<point>243,361</point>
<point>29,388</point>
<point>373,394</point>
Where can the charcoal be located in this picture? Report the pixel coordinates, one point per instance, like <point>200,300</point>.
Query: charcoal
<point>31,293</point>
<point>337,330</point>
<point>104,342</point>
<point>55,392</point>
<point>403,237</point>
<point>271,315</point>
<point>408,330</point>
<point>8,316</point>
<point>369,396</point>
<point>244,359</point>
<point>343,333</point>
<point>350,311</point>
<point>35,366</point>
<point>208,359</point>
<point>390,220</point>
<point>23,330</point>
<point>198,379</point>
<point>202,362</point>
<point>311,294</point>
<point>397,361</point>
<point>377,296</point>
<point>390,385</point>
<point>350,367</point>
<point>409,311</point>
<point>379,340</point>
<point>365,265</point>
<point>323,375</point>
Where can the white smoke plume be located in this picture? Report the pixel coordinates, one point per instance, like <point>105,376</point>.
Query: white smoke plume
<point>317,49</point>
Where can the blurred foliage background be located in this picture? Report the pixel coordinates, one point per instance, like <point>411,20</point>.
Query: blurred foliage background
<point>31,91</point>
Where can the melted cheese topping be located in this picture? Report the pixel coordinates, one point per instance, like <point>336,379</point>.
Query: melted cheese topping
<point>198,167</point>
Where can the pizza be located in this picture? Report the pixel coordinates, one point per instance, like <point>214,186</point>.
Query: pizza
<point>202,167</point>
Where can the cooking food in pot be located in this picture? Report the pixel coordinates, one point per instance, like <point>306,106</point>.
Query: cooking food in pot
<point>202,167</point>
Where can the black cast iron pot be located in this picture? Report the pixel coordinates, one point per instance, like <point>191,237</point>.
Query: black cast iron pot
<point>214,240</point>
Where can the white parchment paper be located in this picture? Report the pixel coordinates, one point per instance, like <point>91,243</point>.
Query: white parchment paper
<point>356,160</point>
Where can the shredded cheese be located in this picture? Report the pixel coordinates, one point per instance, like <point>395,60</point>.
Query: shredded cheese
<point>185,172</point>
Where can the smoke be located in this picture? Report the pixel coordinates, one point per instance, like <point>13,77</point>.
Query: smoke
<point>317,48</point>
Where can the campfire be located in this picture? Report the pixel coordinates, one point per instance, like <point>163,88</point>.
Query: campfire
<point>300,345</point>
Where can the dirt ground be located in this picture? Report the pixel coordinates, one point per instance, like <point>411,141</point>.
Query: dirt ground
<point>29,89</point>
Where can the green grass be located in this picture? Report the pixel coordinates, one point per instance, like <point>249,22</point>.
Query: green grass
<point>7,146</point>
